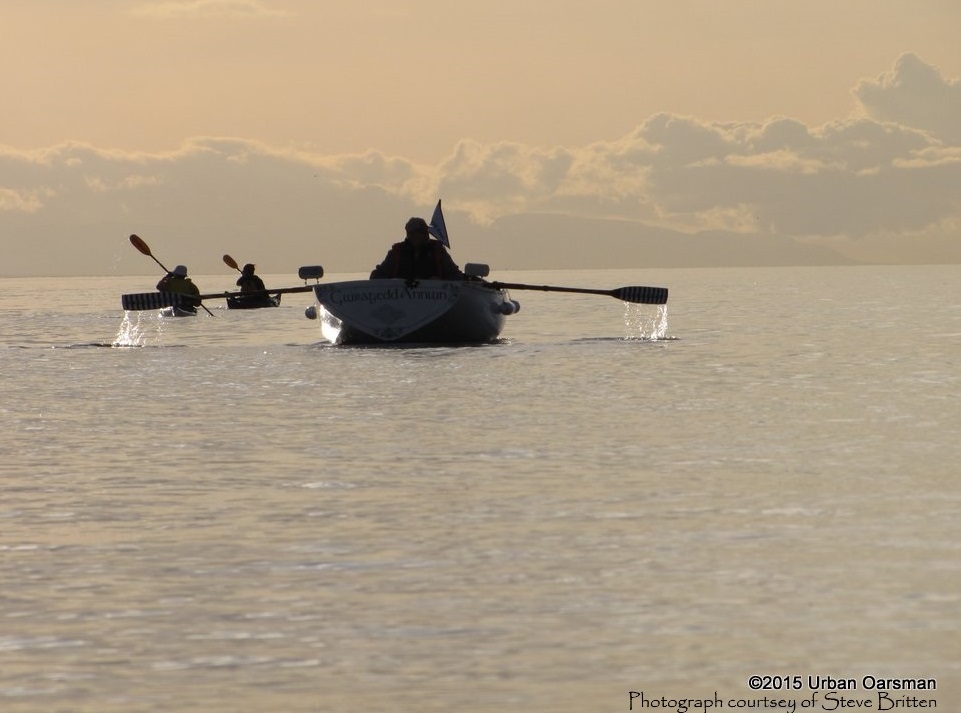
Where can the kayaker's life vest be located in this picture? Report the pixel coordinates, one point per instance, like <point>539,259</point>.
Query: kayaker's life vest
<point>181,285</point>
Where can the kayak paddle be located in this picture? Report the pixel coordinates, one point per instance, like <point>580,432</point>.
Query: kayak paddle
<point>142,246</point>
<point>232,263</point>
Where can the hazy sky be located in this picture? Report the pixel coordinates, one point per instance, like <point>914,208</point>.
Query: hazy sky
<point>318,126</point>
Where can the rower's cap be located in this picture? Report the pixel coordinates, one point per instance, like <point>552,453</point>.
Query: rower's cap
<point>181,270</point>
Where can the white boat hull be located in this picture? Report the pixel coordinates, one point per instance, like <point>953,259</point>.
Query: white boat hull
<point>423,311</point>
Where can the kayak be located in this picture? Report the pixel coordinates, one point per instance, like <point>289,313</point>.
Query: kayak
<point>256,301</point>
<point>177,312</point>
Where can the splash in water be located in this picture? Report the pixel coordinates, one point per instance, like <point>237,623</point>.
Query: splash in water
<point>645,321</point>
<point>132,332</point>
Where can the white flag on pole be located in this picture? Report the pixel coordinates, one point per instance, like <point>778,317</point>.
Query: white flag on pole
<point>437,227</point>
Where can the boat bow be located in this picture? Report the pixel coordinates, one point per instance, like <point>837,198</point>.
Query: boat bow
<point>425,311</point>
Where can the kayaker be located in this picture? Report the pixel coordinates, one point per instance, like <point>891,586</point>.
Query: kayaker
<point>248,281</point>
<point>417,257</point>
<point>177,281</point>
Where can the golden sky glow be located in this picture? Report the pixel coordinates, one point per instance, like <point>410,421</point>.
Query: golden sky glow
<point>501,107</point>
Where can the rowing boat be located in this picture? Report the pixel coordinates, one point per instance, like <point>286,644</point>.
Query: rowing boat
<point>397,311</point>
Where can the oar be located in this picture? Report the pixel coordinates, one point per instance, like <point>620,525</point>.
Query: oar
<point>636,294</point>
<point>146,301</point>
<point>138,243</point>
<point>232,263</point>
<point>157,300</point>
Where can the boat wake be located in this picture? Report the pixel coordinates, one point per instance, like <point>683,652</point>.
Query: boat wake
<point>381,346</point>
<point>644,340</point>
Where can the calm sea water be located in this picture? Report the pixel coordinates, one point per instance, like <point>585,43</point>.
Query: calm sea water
<point>231,516</point>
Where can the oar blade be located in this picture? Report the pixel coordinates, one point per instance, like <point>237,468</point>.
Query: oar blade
<point>230,262</point>
<point>138,243</point>
<point>145,301</point>
<point>639,294</point>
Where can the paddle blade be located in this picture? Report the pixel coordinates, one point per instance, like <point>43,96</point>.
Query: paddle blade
<point>138,243</point>
<point>142,301</point>
<point>642,295</point>
<point>231,262</point>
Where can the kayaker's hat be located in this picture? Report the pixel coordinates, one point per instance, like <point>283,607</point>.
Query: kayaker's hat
<point>416,225</point>
<point>249,267</point>
<point>180,270</point>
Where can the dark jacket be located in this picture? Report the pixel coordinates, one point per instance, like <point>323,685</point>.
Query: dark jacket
<point>250,283</point>
<point>432,262</point>
<point>182,285</point>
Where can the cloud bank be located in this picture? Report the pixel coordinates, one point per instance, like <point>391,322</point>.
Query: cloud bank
<point>882,185</point>
<point>170,9</point>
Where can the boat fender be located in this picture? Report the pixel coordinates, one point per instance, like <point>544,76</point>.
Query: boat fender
<point>311,312</point>
<point>310,272</point>
<point>477,269</point>
<point>509,307</point>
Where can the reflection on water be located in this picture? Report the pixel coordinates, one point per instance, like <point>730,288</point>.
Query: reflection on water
<point>248,522</point>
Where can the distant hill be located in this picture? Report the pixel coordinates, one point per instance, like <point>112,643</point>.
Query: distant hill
<point>352,240</point>
<point>546,241</point>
